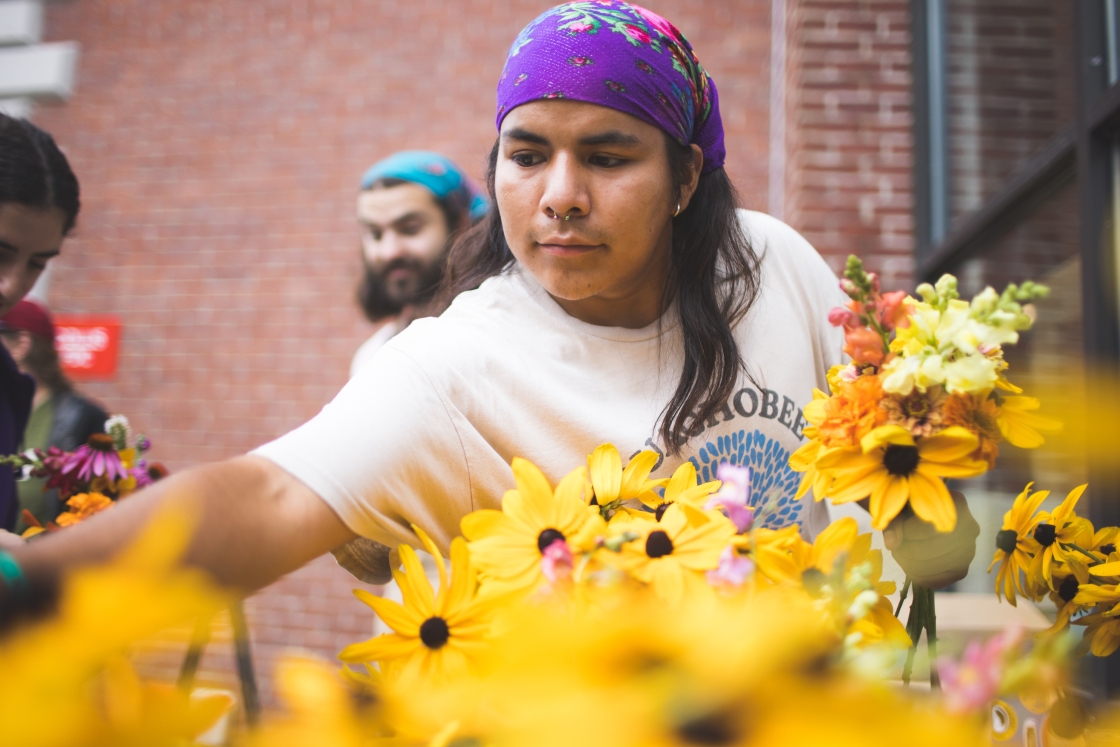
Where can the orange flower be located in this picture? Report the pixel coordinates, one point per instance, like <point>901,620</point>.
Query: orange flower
<point>851,413</point>
<point>978,414</point>
<point>82,506</point>
<point>864,345</point>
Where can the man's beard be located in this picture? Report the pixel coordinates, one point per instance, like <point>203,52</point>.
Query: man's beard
<point>379,299</point>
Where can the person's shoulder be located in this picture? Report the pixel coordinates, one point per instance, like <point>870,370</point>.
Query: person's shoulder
<point>785,255</point>
<point>477,319</point>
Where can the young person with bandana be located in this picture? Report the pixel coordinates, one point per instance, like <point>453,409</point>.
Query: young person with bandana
<point>621,298</point>
<point>411,206</point>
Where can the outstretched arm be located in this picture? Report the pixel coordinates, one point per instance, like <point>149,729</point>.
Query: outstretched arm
<point>255,523</point>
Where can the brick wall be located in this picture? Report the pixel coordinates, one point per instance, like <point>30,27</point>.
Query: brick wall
<point>848,181</point>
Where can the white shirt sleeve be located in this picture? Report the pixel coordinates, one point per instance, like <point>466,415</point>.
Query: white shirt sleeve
<point>384,454</point>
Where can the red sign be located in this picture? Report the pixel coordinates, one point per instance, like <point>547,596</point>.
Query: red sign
<point>87,345</point>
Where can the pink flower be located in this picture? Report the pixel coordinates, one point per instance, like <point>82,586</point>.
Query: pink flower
<point>891,311</point>
<point>851,289</point>
<point>971,684</point>
<point>636,33</point>
<point>556,561</point>
<point>579,27</point>
<point>733,570</point>
<point>734,496</point>
<point>659,23</point>
<point>95,458</point>
<point>842,317</point>
<point>53,462</point>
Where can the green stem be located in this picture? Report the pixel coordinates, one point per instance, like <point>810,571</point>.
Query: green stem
<point>1086,553</point>
<point>931,639</point>
<point>199,639</point>
<point>914,624</point>
<point>902,596</point>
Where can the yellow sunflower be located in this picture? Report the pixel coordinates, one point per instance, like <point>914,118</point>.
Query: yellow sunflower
<point>806,460</point>
<point>613,485</point>
<point>1054,532</point>
<point>1102,633</point>
<point>681,488</point>
<point>1016,546</point>
<point>507,546</point>
<point>800,564</point>
<point>438,637</point>
<point>1020,425</point>
<point>879,625</point>
<point>673,554</point>
<point>893,468</point>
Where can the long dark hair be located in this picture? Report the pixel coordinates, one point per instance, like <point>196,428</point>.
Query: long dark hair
<point>34,172</point>
<point>713,278</point>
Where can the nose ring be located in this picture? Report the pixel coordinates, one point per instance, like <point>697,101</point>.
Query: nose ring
<point>567,216</point>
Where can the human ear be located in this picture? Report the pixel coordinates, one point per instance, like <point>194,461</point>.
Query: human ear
<point>688,189</point>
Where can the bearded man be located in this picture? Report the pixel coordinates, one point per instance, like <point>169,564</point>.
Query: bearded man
<point>411,207</point>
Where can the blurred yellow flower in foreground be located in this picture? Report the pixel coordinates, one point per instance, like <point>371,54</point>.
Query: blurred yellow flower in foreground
<point>49,668</point>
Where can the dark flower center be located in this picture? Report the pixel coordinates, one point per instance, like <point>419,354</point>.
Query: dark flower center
<point>1068,590</point>
<point>813,579</point>
<point>916,407</point>
<point>900,460</point>
<point>1108,549</point>
<point>661,509</point>
<point>713,729</point>
<point>1006,540</point>
<point>1045,534</point>
<point>658,544</point>
<point>547,537</point>
<point>101,442</point>
<point>434,632</point>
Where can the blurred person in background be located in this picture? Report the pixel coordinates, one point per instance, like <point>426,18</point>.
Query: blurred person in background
<point>39,202</point>
<point>59,416</point>
<point>411,207</point>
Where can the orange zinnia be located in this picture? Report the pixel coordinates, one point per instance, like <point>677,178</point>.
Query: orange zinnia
<point>82,506</point>
<point>977,413</point>
<point>851,413</point>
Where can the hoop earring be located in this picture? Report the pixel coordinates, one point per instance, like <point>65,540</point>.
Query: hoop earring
<point>678,210</point>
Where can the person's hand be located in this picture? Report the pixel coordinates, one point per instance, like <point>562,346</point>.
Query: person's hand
<point>9,541</point>
<point>931,558</point>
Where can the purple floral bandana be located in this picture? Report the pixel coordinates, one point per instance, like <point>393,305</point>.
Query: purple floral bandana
<point>618,55</point>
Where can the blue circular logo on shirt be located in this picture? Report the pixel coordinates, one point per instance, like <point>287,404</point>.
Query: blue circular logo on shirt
<point>772,480</point>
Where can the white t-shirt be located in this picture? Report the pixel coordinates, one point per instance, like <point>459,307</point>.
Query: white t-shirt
<point>425,432</point>
<point>369,348</point>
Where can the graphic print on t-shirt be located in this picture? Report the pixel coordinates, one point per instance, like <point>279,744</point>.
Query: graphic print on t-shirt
<point>772,480</point>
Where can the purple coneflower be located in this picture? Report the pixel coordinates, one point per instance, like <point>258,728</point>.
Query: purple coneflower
<point>97,457</point>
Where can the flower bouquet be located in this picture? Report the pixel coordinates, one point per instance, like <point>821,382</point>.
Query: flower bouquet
<point>108,467</point>
<point>925,398</point>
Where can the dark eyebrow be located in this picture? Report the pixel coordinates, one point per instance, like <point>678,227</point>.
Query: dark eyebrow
<point>613,137</point>
<point>518,133</point>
